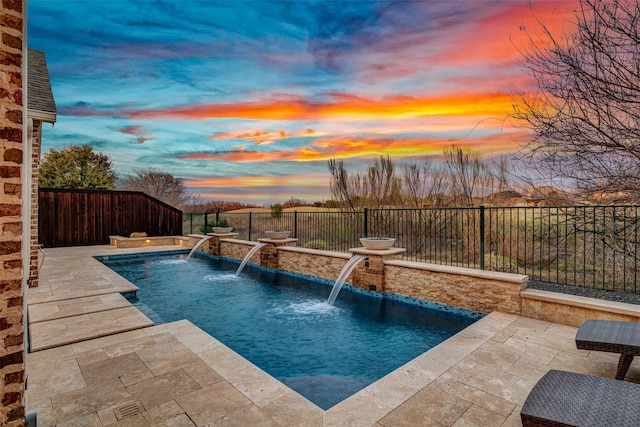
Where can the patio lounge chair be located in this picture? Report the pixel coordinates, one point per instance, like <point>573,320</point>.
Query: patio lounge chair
<point>613,337</point>
<point>563,398</point>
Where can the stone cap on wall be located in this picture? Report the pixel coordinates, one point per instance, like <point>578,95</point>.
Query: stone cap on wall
<point>584,302</point>
<point>461,271</point>
<point>315,252</point>
<point>277,241</point>
<point>240,241</point>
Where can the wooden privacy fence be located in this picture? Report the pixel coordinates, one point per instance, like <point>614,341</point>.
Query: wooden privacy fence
<point>89,217</point>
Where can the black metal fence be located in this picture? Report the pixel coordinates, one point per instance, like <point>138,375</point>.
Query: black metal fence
<point>589,246</point>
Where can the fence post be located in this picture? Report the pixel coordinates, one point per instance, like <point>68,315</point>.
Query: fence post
<point>366,222</point>
<point>191,223</point>
<point>206,226</point>
<point>249,225</point>
<point>218,217</point>
<point>481,237</point>
<point>295,224</point>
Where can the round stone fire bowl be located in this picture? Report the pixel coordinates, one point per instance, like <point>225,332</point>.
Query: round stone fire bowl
<point>377,243</point>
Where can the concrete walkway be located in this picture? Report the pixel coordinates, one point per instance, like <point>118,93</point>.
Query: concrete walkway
<point>175,374</point>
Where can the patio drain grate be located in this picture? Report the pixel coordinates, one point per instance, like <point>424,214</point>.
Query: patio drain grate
<point>129,410</point>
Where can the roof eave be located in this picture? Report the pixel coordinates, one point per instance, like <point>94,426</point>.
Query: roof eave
<point>43,116</point>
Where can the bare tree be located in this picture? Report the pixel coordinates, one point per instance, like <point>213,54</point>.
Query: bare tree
<point>500,170</point>
<point>341,185</point>
<point>422,186</point>
<point>381,183</point>
<point>468,175</point>
<point>586,112</point>
<point>377,187</point>
<point>162,186</point>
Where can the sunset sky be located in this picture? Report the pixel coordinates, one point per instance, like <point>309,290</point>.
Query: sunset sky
<point>247,100</point>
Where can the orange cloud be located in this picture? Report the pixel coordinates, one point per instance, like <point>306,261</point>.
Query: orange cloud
<point>342,107</point>
<point>348,147</point>
<point>258,137</point>
<point>307,180</point>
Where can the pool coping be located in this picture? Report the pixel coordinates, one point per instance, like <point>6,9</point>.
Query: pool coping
<point>365,407</point>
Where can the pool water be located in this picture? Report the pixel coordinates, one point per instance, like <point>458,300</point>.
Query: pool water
<point>282,323</point>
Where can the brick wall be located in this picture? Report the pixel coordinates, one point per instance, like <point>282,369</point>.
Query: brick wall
<point>35,164</point>
<point>11,228</point>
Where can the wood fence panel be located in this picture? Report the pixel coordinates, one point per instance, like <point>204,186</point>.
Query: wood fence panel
<point>89,217</point>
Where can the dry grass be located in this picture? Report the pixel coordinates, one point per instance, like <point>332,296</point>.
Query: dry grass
<point>296,209</point>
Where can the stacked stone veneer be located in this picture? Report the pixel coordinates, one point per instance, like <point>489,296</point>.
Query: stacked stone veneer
<point>482,291</point>
<point>573,310</point>
<point>139,242</point>
<point>311,262</point>
<point>238,249</point>
<point>11,226</point>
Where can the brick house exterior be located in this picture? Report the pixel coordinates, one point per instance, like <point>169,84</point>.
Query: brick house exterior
<point>12,266</point>
<point>41,108</point>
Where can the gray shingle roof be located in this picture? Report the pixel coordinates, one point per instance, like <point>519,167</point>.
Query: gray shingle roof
<point>39,93</point>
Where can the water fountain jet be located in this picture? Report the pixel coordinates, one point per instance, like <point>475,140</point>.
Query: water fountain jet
<point>197,245</point>
<point>253,250</point>
<point>342,277</point>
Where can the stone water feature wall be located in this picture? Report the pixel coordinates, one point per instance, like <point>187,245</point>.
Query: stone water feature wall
<point>478,290</point>
<point>238,249</point>
<point>483,291</point>
<point>312,262</point>
<point>12,225</point>
<point>460,287</point>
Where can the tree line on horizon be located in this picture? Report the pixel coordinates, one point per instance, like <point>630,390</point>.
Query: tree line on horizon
<point>584,118</point>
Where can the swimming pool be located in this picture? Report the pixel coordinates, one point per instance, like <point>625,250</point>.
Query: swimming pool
<point>282,323</point>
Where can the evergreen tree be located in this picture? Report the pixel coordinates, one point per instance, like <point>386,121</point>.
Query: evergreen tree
<point>76,167</point>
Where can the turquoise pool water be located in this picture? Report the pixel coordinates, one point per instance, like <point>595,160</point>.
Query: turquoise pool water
<point>282,323</point>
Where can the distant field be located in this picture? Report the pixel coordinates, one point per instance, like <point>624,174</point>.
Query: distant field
<point>298,209</point>
<point>247,210</point>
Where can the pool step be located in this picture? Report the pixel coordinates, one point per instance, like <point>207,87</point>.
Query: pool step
<point>71,329</point>
<point>74,307</point>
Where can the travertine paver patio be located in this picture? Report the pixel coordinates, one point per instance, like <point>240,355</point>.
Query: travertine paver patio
<point>67,330</point>
<point>175,374</point>
<point>76,306</point>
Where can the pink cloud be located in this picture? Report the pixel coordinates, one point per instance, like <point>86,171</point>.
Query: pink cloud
<point>138,131</point>
<point>132,130</point>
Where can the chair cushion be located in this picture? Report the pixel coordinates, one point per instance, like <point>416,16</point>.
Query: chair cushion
<point>563,398</point>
